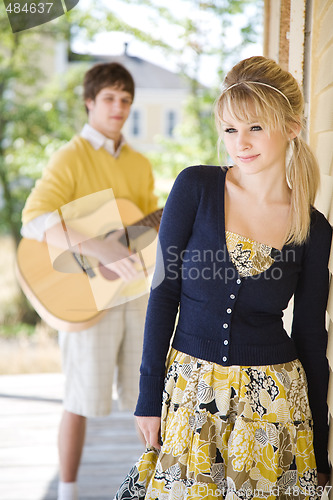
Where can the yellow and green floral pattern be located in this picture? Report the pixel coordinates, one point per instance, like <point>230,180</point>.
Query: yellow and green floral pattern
<point>250,257</point>
<point>234,433</point>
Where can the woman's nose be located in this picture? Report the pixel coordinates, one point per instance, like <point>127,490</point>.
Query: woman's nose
<point>243,140</point>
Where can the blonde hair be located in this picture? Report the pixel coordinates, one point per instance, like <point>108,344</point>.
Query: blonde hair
<point>275,97</point>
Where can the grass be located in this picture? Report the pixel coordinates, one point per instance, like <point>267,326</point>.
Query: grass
<point>33,353</point>
<point>25,348</point>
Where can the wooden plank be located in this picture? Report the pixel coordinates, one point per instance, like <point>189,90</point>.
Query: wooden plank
<point>30,412</point>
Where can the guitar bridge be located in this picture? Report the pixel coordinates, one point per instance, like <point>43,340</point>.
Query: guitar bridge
<point>84,264</point>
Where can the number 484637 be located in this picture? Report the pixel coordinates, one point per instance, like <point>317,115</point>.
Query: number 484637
<point>29,8</point>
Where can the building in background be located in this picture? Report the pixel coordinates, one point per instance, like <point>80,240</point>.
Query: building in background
<point>160,94</point>
<point>159,98</point>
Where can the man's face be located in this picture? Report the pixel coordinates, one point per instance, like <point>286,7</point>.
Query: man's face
<point>109,111</point>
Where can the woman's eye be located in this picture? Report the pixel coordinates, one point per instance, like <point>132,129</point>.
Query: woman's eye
<point>256,127</point>
<point>230,130</point>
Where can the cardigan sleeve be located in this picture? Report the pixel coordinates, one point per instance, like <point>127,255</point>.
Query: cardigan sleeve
<point>309,330</point>
<point>175,230</point>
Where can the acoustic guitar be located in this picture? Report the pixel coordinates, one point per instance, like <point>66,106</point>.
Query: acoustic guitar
<point>71,291</point>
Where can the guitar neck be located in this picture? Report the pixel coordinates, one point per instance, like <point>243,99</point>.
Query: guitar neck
<point>151,220</point>
<point>140,227</point>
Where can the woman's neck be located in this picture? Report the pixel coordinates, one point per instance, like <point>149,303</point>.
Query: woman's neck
<point>264,187</point>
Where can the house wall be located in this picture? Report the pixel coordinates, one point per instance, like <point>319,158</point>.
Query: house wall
<point>306,50</point>
<point>321,140</point>
<point>153,106</point>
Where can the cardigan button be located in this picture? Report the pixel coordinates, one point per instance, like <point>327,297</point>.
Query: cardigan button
<point>226,342</point>
<point>232,296</point>
<point>238,281</point>
<point>225,325</point>
<point>224,358</point>
<point>229,311</point>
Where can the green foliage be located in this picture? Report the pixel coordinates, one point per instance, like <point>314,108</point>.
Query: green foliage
<point>195,139</point>
<point>12,331</point>
<point>37,116</point>
<point>34,125</point>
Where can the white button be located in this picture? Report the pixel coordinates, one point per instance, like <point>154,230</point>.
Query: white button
<point>226,342</point>
<point>238,281</point>
<point>229,311</point>
<point>224,358</point>
<point>225,325</point>
<point>232,296</point>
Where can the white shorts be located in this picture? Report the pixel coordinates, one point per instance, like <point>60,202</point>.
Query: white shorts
<point>92,357</point>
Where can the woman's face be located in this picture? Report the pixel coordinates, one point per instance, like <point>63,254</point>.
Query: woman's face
<point>251,147</point>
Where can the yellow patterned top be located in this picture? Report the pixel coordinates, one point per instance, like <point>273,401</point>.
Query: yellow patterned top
<point>249,256</point>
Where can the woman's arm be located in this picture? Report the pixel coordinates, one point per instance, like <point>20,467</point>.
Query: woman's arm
<point>175,230</point>
<point>309,329</point>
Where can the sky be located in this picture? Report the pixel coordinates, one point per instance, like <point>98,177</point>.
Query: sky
<point>141,17</point>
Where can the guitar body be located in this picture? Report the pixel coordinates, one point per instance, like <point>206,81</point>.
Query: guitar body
<point>67,297</point>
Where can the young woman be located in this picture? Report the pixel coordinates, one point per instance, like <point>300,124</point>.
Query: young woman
<point>239,405</point>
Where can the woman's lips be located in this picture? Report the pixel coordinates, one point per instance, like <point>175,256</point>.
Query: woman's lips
<point>247,159</point>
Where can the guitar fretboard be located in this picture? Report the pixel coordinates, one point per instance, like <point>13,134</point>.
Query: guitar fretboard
<point>150,220</point>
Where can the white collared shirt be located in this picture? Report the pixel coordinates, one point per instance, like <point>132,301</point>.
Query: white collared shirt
<point>98,140</point>
<point>35,229</point>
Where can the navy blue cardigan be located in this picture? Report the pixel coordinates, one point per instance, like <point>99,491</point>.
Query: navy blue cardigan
<point>227,319</point>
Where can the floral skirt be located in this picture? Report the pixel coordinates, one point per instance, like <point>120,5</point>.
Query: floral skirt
<point>235,432</point>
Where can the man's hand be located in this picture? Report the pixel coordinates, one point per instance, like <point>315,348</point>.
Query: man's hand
<point>108,251</point>
<point>150,428</point>
<point>113,255</point>
<point>117,257</point>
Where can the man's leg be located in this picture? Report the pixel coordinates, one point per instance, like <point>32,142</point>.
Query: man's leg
<point>70,442</point>
<point>130,354</point>
<point>88,362</point>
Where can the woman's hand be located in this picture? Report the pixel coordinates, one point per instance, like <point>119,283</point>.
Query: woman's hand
<point>150,428</point>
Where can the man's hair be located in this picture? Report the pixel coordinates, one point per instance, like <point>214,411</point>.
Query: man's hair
<point>107,75</point>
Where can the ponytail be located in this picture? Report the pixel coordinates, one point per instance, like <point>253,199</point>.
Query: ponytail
<point>303,176</point>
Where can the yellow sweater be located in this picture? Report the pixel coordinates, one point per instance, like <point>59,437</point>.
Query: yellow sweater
<point>77,170</point>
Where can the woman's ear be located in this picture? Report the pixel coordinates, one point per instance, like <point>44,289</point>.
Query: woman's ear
<point>294,130</point>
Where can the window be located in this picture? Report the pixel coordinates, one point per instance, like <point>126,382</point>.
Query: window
<point>171,119</point>
<point>136,123</point>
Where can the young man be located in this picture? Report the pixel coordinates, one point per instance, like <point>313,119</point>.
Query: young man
<point>98,159</point>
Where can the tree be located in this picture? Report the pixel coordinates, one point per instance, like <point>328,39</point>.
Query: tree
<point>38,116</point>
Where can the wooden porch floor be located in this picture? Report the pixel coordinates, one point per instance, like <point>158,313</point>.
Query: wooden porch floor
<point>30,412</point>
